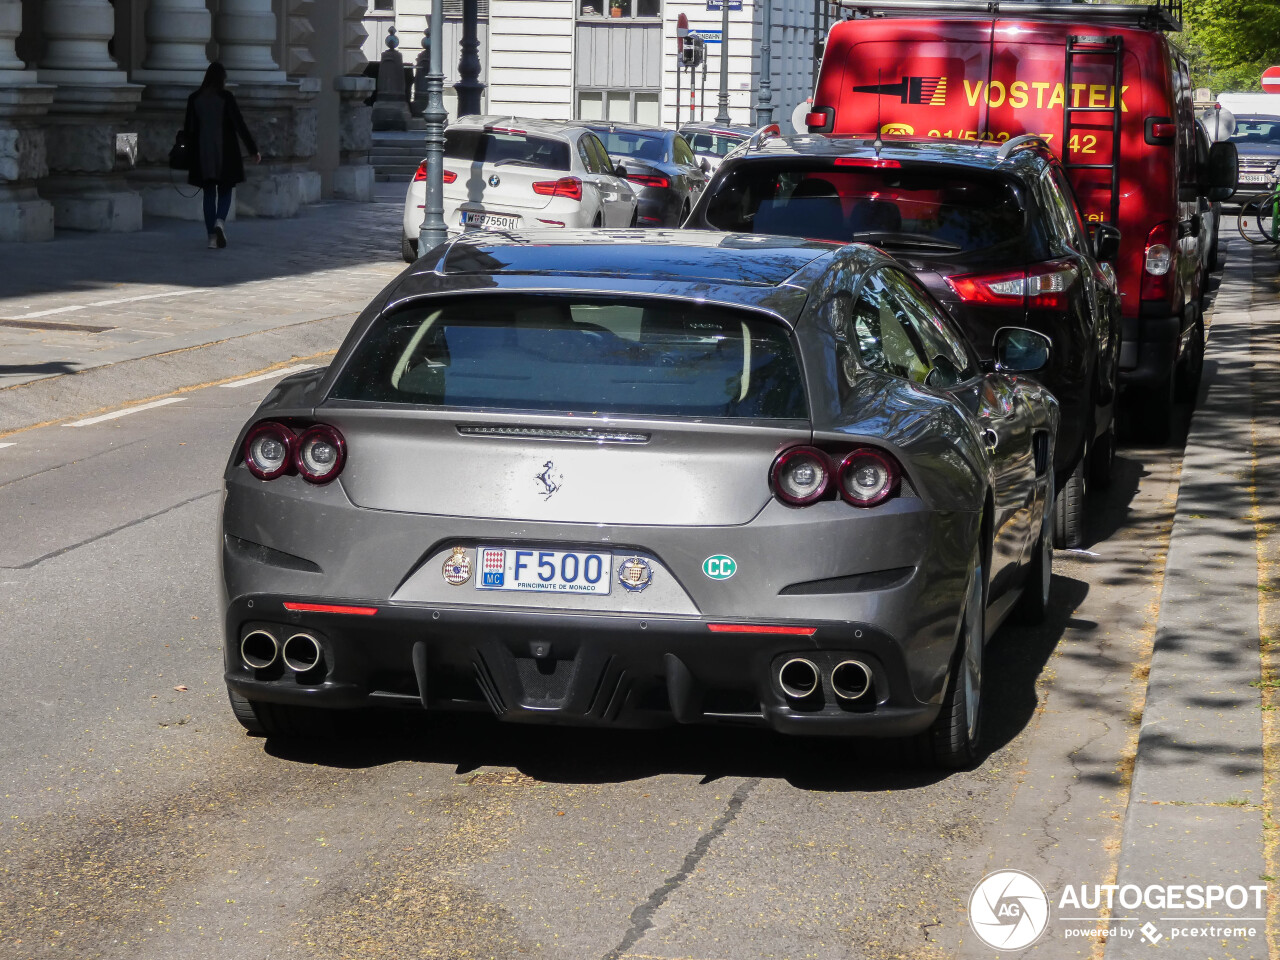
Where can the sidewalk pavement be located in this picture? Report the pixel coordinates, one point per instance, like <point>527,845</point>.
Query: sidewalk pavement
<point>90,321</point>
<point>1199,809</point>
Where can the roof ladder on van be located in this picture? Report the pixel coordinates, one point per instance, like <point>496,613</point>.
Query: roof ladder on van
<point>1094,46</point>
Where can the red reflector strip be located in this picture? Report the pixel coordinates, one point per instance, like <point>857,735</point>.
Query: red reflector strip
<point>761,628</point>
<point>1164,130</point>
<point>330,608</point>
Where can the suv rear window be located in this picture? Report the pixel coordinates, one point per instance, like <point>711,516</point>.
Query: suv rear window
<point>480,146</point>
<point>578,354</point>
<point>917,209</point>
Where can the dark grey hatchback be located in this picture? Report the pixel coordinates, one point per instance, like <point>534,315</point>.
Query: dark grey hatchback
<point>636,479</point>
<point>667,178</point>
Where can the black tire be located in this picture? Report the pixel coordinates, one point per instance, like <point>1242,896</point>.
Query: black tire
<point>282,721</point>
<point>951,742</point>
<point>1191,368</point>
<point>1068,510</point>
<point>684,215</point>
<point>598,221</point>
<point>408,249</point>
<point>635,218</point>
<point>1102,458</point>
<point>1151,412</point>
<point>1034,602</point>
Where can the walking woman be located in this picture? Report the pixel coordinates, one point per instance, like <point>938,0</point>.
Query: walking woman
<point>212,125</point>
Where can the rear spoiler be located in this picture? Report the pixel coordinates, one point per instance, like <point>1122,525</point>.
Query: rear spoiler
<point>1161,15</point>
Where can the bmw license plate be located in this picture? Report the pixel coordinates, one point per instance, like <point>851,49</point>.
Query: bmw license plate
<point>543,571</point>
<point>491,221</point>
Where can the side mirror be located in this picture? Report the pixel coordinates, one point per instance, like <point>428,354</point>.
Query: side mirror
<point>1106,242</point>
<point>1222,172</point>
<point>1019,350</point>
<point>705,165</point>
<point>619,171</point>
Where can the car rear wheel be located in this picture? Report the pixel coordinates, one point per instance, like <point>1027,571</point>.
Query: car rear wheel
<point>282,721</point>
<point>1068,510</point>
<point>952,740</point>
<point>1191,368</point>
<point>1102,458</point>
<point>598,221</point>
<point>408,249</point>
<point>1034,602</point>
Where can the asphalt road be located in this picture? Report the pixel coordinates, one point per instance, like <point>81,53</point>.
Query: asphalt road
<point>138,820</point>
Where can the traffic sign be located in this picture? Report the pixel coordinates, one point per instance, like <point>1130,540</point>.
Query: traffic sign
<point>716,6</point>
<point>708,36</point>
<point>1271,80</point>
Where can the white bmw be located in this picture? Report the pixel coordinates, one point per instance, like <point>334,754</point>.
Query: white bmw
<point>503,173</point>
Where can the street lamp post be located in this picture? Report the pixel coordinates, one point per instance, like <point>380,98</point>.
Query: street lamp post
<point>433,231</point>
<point>722,101</point>
<point>764,105</point>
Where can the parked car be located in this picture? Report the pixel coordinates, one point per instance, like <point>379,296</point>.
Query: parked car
<point>637,479</point>
<point>993,231</point>
<point>503,173</point>
<point>1257,141</point>
<point>1113,96</point>
<point>713,141</point>
<point>660,166</point>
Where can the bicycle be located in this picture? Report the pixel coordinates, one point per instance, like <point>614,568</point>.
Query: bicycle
<point>1264,210</point>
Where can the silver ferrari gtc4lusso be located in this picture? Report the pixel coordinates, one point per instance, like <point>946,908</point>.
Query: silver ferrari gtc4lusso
<point>636,478</point>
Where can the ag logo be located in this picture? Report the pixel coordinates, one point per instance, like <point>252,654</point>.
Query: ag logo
<point>719,567</point>
<point>1008,910</point>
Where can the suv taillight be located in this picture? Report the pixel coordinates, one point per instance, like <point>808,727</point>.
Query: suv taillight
<point>421,174</point>
<point>1042,287</point>
<point>1157,272</point>
<point>569,187</point>
<point>865,476</point>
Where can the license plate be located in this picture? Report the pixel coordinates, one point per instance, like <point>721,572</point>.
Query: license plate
<point>544,571</point>
<point>1254,177</point>
<point>491,220</point>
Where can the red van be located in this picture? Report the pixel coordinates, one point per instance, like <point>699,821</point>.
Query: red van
<point>1108,91</point>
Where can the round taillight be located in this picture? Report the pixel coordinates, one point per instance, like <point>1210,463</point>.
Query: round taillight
<point>867,477</point>
<point>800,475</point>
<point>320,453</point>
<point>268,450</point>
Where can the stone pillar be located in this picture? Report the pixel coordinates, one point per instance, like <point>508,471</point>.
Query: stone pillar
<point>354,177</point>
<point>245,31</point>
<point>92,103</point>
<point>178,33</point>
<point>23,101</point>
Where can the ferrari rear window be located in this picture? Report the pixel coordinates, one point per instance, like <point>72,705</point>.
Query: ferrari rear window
<point>917,209</point>
<point>509,146</point>
<point>578,354</point>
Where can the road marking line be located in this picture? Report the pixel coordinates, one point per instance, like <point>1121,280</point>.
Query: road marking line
<point>6,444</point>
<point>125,412</point>
<point>267,376</point>
<point>107,303</point>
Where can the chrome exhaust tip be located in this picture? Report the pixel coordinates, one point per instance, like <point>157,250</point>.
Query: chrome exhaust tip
<point>259,649</point>
<point>302,652</point>
<point>851,679</point>
<point>798,678</point>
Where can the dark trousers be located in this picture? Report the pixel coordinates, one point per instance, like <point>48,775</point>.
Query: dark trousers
<point>217,203</point>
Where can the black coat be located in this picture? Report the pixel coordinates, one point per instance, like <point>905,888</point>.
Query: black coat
<point>212,126</point>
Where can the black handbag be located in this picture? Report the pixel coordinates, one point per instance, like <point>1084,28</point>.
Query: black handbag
<point>180,152</point>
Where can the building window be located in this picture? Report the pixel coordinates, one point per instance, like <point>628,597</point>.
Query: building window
<point>384,6</point>
<point>619,8</point>
<point>627,106</point>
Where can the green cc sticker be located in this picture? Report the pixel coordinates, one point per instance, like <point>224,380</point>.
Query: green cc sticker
<point>719,567</point>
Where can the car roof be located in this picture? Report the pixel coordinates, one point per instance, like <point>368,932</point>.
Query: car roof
<point>977,154</point>
<point>598,125</point>
<point>770,273</point>
<point>503,123</point>
<point>736,130</point>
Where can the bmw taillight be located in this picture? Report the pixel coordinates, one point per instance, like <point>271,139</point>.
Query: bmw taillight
<point>320,453</point>
<point>646,180</point>
<point>1157,262</point>
<point>272,449</point>
<point>1042,287</point>
<point>449,176</point>
<point>268,450</point>
<point>864,477</point>
<point>568,187</point>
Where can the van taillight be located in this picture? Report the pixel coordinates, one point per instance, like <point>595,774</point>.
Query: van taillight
<point>421,174</point>
<point>1160,131</point>
<point>1157,272</point>
<point>1042,287</point>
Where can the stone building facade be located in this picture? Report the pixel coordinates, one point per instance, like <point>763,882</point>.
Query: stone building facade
<point>92,93</point>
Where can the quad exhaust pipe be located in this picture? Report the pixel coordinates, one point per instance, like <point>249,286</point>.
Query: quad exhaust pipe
<point>851,679</point>
<point>259,649</point>
<point>302,652</point>
<point>798,678</point>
